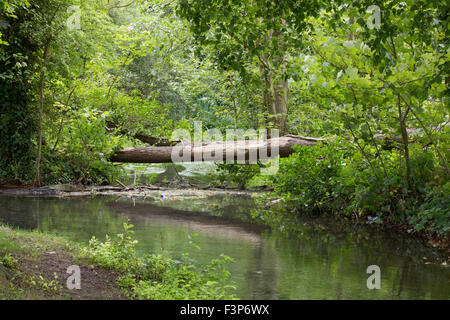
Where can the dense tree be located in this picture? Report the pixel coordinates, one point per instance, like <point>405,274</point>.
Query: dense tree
<point>248,34</point>
<point>80,80</point>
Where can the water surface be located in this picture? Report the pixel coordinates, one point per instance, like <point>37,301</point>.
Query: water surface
<point>321,260</point>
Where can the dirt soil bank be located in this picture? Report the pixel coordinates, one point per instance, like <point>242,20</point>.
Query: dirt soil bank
<point>34,266</point>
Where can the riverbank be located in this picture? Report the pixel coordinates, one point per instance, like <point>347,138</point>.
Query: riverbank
<point>288,262</point>
<point>430,239</point>
<point>34,266</point>
<point>177,194</point>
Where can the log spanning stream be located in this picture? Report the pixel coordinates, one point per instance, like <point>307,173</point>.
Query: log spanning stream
<point>319,261</point>
<point>243,150</point>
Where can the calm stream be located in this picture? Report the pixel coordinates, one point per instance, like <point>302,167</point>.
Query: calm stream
<point>320,262</point>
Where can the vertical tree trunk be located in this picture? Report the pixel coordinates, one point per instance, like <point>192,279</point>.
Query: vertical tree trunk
<point>351,35</point>
<point>266,73</point>
<point>275,94</point>
<point>37,179</point>
<point>405,141</point>
<point>280,94</point>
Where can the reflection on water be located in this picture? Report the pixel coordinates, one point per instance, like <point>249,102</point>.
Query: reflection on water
<point>326,262</point>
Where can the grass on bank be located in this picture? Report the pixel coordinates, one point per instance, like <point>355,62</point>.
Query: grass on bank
<point>34,265</point>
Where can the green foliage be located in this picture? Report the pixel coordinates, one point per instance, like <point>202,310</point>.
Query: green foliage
<point>135,65</point>
<point>83,157</point>
<point>70,98</point>
<point>7,260</point>
<point>49,286</point>
<point>183,280</point>
<point>17,123</point>
<point>237,174</point>
<point>7,8</point>
<point>156,277</point>
<point>433,214</point>
<point>335,179</point>
<point>267,27</point>
<point>115,253</point>
<point>310,176</point>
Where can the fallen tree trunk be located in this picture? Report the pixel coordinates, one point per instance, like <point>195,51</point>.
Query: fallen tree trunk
<point>167,151</point>
<point>243,151</point>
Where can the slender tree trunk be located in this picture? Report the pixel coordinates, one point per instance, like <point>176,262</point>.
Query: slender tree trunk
<point>37,179</point>
<point>62,122</point>
<point>405,142</point>
<point>267,88</point>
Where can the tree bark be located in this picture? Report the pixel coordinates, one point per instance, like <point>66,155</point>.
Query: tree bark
<point>161,149</point>
<point>216,151</point>
<point>280,94</point>
<point>275,90</point>
<point>275,98</point>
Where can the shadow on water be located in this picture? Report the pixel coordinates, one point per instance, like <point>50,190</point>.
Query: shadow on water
<point>306,258</point>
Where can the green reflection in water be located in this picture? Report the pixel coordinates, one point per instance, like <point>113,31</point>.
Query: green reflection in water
<point>310,259</point>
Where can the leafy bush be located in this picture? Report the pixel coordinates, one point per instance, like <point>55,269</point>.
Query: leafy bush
<point>183,280</point>
<point>433,214</point>
<point>336,178</point>
<point>115,253</point>
<point>237,174</point>
<point>81,154</point>
<point>309,176</point>
<point>156,277</point>
<point>7,260</point>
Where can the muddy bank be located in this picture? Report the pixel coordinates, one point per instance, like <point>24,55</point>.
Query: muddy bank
<point>137,191</point>
<point>34,266</point>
